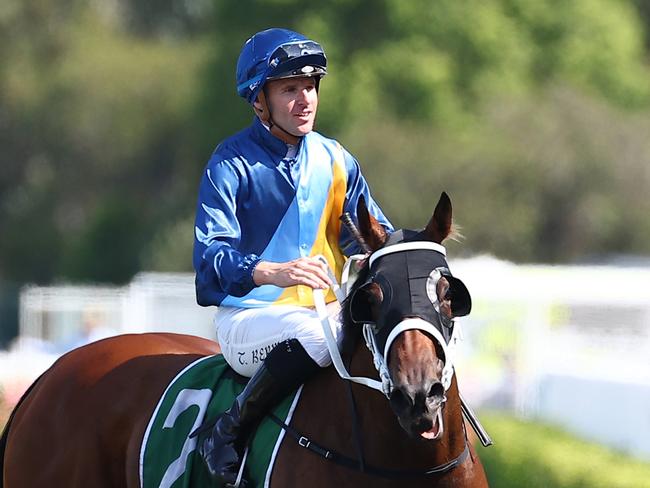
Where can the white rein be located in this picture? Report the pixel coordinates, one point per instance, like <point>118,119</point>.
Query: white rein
<point>332,345</point>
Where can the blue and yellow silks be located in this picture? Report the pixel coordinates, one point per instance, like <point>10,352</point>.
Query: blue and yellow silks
<point>255,205</point>
<point>320,193</point>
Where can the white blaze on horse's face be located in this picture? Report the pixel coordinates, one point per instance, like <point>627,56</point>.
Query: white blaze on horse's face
<point>418,396</point>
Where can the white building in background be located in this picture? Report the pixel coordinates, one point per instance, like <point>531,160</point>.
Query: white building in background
<point>152,302</point>
<point>55,319</point>
<point>565,344</point>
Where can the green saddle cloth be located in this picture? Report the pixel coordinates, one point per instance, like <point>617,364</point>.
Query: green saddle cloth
<point>169,458</point>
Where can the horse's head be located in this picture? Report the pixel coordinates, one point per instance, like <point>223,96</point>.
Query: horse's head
<point>410,297</point>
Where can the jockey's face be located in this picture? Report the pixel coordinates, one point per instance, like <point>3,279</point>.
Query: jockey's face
<point>293,103</point>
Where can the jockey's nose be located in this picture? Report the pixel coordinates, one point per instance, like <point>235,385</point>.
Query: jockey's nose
<point>303,96</point>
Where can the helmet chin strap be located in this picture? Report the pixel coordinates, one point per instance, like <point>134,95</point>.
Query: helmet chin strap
<point>264,113</point>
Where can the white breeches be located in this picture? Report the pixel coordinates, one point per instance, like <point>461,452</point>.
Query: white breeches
<point>247,335</point>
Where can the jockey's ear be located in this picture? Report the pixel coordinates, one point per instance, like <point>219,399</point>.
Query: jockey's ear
<point>439,227</point>
<point>372,231</point>
<point>364,303</point>
<point>260,106</point>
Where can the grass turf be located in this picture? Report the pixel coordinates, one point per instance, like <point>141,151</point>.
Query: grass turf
<point>532,455</point>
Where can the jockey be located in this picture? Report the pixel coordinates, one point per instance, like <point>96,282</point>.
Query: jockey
<point>269,201</point>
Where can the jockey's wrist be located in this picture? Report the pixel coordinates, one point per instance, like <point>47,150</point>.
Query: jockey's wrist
<point>263,272</point>
<point>252,267</point>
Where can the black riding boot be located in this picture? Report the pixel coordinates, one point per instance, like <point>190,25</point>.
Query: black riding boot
<point>285,368</point>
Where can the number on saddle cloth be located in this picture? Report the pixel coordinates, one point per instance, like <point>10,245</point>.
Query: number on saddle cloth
<point>203,390</point>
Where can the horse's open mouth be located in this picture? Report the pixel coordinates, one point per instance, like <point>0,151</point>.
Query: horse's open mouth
<point>436,431</point>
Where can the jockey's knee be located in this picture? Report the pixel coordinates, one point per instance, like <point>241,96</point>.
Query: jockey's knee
<point>311,336</point>
<point>315,345</point>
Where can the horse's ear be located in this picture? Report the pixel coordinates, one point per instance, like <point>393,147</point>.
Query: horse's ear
<point>372,231</point>
<point>439,227</point>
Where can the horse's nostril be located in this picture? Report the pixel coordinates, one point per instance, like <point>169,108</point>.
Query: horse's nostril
<point>437,390</point>
<point>423,425</point>
<point>399,400</point>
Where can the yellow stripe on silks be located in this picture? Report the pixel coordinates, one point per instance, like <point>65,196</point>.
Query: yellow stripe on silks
<point>327,239</point>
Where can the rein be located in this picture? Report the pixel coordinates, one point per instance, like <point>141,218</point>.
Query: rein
<point>380,362</point>
<point>332,345</point>
<point>385,385</point>
<point>358,465</point>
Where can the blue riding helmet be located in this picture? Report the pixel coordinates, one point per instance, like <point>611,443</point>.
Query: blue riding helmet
<point>277,53</point>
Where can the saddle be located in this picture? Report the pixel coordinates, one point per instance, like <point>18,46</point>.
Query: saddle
<point>199,393</point>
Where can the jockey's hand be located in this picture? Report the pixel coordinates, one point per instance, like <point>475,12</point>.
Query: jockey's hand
<point>308,271</point>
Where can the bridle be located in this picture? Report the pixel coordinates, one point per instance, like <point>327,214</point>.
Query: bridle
<point>447,341</point>
<point>379,353</point>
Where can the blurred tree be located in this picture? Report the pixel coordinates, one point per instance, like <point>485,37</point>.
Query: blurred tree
<point>436,63</point>
<point>163,18</point>
<point>106,250</point>
<point>461,92</point>
<point>9,293</point>
<point>89,110</point>
<point>508,104</point>
<point>565,184</point>
<point>644,11</point>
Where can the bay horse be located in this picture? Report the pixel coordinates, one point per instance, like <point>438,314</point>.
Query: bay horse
<point>81,424</point>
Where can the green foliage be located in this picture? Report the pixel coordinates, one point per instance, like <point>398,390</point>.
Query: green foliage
<point>104,251</point>
<point>643,8</point>
<point>9,293</point>
<point>565,183</point>
<point>532,113</point>
<point>435,62</point>
<point>90,111</point>
<point>538,456</point>
<point>170,249</point>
